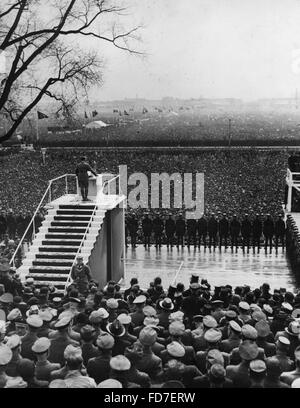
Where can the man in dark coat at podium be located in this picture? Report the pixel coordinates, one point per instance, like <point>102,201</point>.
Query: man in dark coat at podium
<point>83,177</point>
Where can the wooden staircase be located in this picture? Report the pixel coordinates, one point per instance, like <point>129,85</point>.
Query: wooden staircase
<point>55,247</point>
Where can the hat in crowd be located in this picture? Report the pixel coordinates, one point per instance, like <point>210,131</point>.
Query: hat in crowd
<point>62,323</point>
<point>56,300</point>
<point>296,313</point>
<point>46,315</point>
<point>124,318</point>
<point>258,366</point>
<point>267,309</point>
<point>235,326</point>
<point>120,363</point>
<point>166,304</point>
<point>14,314</point>
<point>175,349</point>
<point>176,316</point>
<point>217,371</point>
<point>5,354</point>
<point>149,311</point>
<point>217,303</point>
<point>112,303</point>
<point>58,384</point>
<point>296,383</point>
<point>151,321</point>
<point>293,329</point>
<point>2,326</point>
<point>74,300</point>
<point>249,332</point>
<point>248,350</point>
<point>254,307</point>
<point>148,336</point>
<point>105,341</point>
<point>285,306</point>
<point>41,345</point>
<point>98,315</point>
<point>283,341</point>
<point>198,318</point>
<point>29,281</point>
<point>258,315</point>
<point>72,353</point>
<point>215,356</point>
<point>115,328</point>
<point>244,306</point>
<point>176,328</point>
<point>13,341</point>
<point>263,328</point>
<point>140,300</point>
<point>110,383</point>
<point>195,286</point>
<point>6,298</point>
<point>34,321</point>
<point>34,309</point>
<point>230,314</point>
<point>212,335</point>
<point>80,382</point>
<point>209,322</point>
<point>15,382</point>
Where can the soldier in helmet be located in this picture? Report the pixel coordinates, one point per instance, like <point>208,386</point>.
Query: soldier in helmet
<point>279,231</point>
<point>212,228</point>
<point>147,230</point>
<point>257,231</point>
<point>235,229</point>
<point>158,228</point>
<point>170,230</point>
<point>202,230</point>
<point>180,230</point>
<point>268,230</point>
<point>191,225</point>
<point>223,230</point>
<point>246,232</point>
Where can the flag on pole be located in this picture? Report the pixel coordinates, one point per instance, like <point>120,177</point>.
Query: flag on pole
<point>42,115</point>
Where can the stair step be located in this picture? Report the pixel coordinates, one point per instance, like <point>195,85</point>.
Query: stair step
<point>68,223</point>
<point>53,268</point>
<point>76,206</point>
<point>58,249</point>
<point>56,242</point>
<point>75,230</point>
<point>59,284</point>
<point>72,217</point>
<point>62,277</point>
<point>53,262</point>
<point>54,255</point>
<point>75,212</point>
<point>57,235</point>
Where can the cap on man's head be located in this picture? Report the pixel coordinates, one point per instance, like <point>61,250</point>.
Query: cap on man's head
<point>110,383</point>
<point>235,326</point>
<point>112,303</point>
<point>293,329</point>
<point>6,298</point>
<point>72,353</point>
<point>139,300</point>
<point>176,328</point>
<point>62,323</point>
<point>124,318</point>
<point>175,349</point>
<point>105,341</point>
<point>5,354</point>
<point>217,371</point>
<point>149,311</point>
<point>41,345</point>
<point>283,342</point>
<point>13,341</point>
<point>249,332</point>
<point>258,366</point>
<point>176,316</point>
<point>166,304</point>
<point>263,328</point>
<point>296,383</point>
<point>248,350</point>
<point>147,336</point>
<point>212,335</point>
<point>209,322</point>
<point>34,321</point>
<point>120,363</point>
<point>244,306</point>
<point>215,356</point>
<point>14,314</point>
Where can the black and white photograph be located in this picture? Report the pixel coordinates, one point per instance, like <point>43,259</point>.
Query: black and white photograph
<point>149,197</point>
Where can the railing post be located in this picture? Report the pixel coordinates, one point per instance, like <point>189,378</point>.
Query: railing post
<point>49,191</point>
<point>66,179</point>
<point>33,229</point>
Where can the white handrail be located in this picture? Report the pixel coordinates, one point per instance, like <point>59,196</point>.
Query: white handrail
<point>109,181</point>
<point>79,249</point>
<point>50,182</point>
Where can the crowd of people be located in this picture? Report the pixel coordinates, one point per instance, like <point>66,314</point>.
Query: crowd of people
<point>155,337</point>
<point>209,231</point>
<point>235,181</point>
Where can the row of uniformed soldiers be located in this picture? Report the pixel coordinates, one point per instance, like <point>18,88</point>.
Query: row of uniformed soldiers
<point>208,231</point>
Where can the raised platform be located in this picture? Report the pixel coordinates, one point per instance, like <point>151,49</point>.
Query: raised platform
<point>105,202</point>
<point>219,267</point>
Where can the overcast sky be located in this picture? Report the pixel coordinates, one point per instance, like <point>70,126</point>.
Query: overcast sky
<point>211,48</point>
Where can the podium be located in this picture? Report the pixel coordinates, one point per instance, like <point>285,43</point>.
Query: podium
<point>95,191</point>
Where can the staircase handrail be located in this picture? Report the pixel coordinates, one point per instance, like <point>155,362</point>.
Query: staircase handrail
<point>107,182</point>
<point>79,249</point>
<point>12,261</point>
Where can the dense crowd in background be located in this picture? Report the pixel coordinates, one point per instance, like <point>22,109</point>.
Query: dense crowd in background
<point>235,181</point>
<point>155,337</point>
